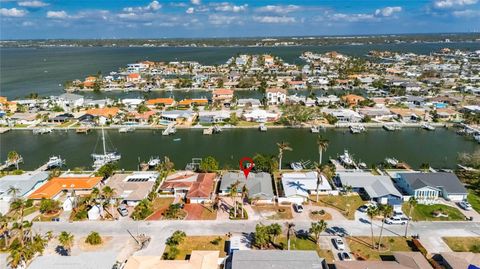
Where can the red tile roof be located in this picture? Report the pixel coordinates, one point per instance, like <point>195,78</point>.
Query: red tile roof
<point>203,187</point>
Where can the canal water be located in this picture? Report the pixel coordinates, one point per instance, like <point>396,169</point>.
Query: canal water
<point>439,148</point>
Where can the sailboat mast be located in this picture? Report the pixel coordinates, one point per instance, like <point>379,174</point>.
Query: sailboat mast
<point>103,140</point>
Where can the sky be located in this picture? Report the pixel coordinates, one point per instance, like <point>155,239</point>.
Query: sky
<point>35,19</point>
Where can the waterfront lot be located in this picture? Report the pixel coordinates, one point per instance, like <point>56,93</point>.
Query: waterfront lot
<point>345,204</point>
<point>426,213</point>
<point>273,212</point>
<point>361,246</point>
<point>462,244</point>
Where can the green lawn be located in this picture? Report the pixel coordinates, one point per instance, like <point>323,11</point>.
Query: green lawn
<point>345,204</point>
<point>463,244</point>
<point>361,246</point>
<point>474,199</point>
<point>425,212</point>
<point>191,243</point>
<point>302,243</point>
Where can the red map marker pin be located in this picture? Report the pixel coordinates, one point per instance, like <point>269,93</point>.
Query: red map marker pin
<point>246,170</point>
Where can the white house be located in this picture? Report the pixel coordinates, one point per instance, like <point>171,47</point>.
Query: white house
<point>260,115</point>
<point>68,101</point>
<point>298,186</point>
<point>344,115</point>
<point>276,96</point>
<point>25,184</point>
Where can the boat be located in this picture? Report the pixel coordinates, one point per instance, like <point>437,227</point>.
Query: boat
<point>296,166</point>
<point>262,128</point>
<point>42,131</point>
<point>315,129</point>
<point>107,157</point>
<point>217,129</point>
<point>356,129</point>
<point>346,158</point>
<point>154,162</point>
<point>391,127</point>
<point>362,165</point>
<point>170,130</point>
<point>428,127</point>
<point>391,161</point>
<point>126,129</point>
<point>55,162</point>
<point>208,131</point>
<point>177,139</point>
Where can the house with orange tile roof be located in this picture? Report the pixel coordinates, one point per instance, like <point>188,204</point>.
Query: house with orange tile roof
<point>166,102</point>
<point>192,102</point>
<point>178,183</point>
<point>133,77</point>
<point>202,189</point>
<point>89,81</point>
<point>223,96</point>
<point>8,106</point>
<point>103,112</point>
<point>53,188</point>
<point>352,99</point>
<point>142,118</point>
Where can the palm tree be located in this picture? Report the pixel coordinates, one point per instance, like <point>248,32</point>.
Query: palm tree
<point>424,167</point>
<point>13,157</point>
<point>282,146</point>
<point>13,191</point>
<point>318,169</point>
<point>15,258</point>
<point>322,146</point>
<point>244,196</point>
<point>108,194</point>
<point>18,206</point>
<point>317,229</point>
<point>233,195</point>
<point>168,165</point>
<point>386,211</point>
<point>94,194</point>
<point>275,231</point>
<point>290,232</point>
<point>412,203</point>
<point>66,241</point>
<point>372,212</point>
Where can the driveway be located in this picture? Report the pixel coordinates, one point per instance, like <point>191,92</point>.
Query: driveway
<point>309,208</point>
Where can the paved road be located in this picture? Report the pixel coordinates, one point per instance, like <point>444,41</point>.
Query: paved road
<point>160,230</point>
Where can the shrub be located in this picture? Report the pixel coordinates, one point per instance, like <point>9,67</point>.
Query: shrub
<point>93,239</point>
<point>176,238</point>
<point>216,241</point>
<point>171,253</point>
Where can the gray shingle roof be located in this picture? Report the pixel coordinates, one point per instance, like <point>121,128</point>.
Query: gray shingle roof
<point>447,181</point>
<point>375,186</point>
<point>278,259</point>
<point>25,182</point>
<point>259,185</point>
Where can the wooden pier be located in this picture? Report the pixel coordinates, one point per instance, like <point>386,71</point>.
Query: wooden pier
<point>4,130</point>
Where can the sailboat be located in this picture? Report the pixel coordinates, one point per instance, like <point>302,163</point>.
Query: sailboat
<point>107,157</point>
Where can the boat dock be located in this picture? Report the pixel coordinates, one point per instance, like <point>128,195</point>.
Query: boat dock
<point>208,131</point>
<point>170,129</point>
<point>4,130</point>
<point>8,163</point>
<point>82,130</point>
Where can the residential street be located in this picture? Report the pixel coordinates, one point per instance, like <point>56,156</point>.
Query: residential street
<point>430,232</point>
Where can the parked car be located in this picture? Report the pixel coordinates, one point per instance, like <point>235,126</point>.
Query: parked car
<point>56,219</point>
<point>465,205</point>
<point>344,256</point>
<point>395,220</point>
<point>339,243</point>
<point>123,211</point>
<point>298,208</point>
<point>363,208</point>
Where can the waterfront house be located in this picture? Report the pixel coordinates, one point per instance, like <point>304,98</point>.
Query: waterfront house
<point>61,118</point>
<point>278,259</point>
<point>141,118</point>
<point>201,190</point>
<point>328,100</point>
<point>222,96</point>
<point>157,102</point>
<point>428,187</point>
<point>86,119</point>
<point>69,101</point>
<point>89,82</point>
<point>197,260</point>
<point>133,77</point>
<point>8,106</point>
<point>260,115</point>
<point>178,183</point>
<point>376,112</point>
<point>132,188</point>
<point>187,103</point>
<point>54,188</point>
<point>298,186</point>
<point>276,96</point>
<point>249,102</point>
<point>215,116</point>
<point>352,99</point>
<point>344,115</point>
<point>177,116</point>
<point>24,118</point>
<point>259,185</point>
<point>107,112</point>
<point>132,103</point>
<point>378,188</point>
<point>409,114</point>
<point>25,183</point>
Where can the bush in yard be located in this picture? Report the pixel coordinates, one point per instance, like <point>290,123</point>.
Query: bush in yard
<point>216,241</point>
<point>93,239</point>
<point>176,238</point>
<point>49,206</point>
<point>171,253</point>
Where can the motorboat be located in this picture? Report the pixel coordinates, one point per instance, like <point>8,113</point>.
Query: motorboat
<point>346,158</point>
<point>55,162</point>
<point>296,166</point>
<point>315,129</point>
<point>362,165</point>
<point>391,127</point>
<point>391,161</point>
<point>356,129</point>
<point>428,127</point>
<point>126,129</point>
<point>42,131</point>
<point>262,128</point>
<point>154,161</point>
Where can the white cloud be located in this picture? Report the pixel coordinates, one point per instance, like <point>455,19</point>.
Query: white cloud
<point>358,17</point>
<point>33,3</point>
<point>12,12</point>
<point>278,9</point>
<point>274,19</point>
<point>227,7</point>
<point>468,13</point>
<point>190,10</point>
<point>196,2</point>
<point>387,11</point>
<point>153,6</point>
<point>61,14</point>
<point>446,4</point>
<point>217,19</point>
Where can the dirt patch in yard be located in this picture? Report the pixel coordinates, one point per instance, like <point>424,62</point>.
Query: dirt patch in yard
<point>199,212</point>
<point>87,247</point>
<point>274,212</point>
